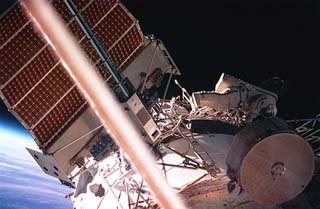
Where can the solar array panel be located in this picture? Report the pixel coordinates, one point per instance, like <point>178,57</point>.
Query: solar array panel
<point>34,83</point>
<point>57,119</point>
<point>18,51</point>
<point>127,48</point>
<point>43,97</point>
<point>21,84</point>
<point>11,23</point>
<point>62,9</point>
<point>110,29</point>
<point>97,10</point>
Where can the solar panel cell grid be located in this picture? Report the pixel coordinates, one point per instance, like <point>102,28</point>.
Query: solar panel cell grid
<point>62,9</point>
<point>58,117</point>
<point>42,98</point>
<point>103,71</point>
<point>96,10</point>
<point>131,58</point>
<point>90,51</point>
<point>30,76</point>
<point>126,46</point>
<point>81,3</point>
<point>111,28</point>
<point>76,30</point>
<point>11,23</point>
<point>18,52</point>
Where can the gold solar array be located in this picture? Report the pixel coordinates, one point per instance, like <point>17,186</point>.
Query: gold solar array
<point>110,29</point>
<point>12,22</point>
<point>126,48</point>
<point>55,122</point>
<point>30,76</point>
<point>33,82</point>
<point>76,30</point>
<point>62,9</point>
<point>18,51</point>
<point>82,3</point>
<point>97,10</point>
<point>43,97</point>
<point>105,74</point>
<point>90,51</point>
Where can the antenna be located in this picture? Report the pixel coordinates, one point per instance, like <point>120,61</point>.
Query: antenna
<point>186,96</point>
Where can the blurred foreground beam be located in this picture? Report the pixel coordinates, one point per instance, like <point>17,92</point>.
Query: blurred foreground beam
<point>101,99</point>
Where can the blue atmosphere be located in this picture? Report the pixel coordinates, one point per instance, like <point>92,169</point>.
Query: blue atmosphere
<point>23,185</point>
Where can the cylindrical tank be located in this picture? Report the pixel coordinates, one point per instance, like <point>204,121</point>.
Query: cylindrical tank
<point>271,162</point>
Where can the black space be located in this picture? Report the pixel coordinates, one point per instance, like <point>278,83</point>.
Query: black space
<point>252,40</point>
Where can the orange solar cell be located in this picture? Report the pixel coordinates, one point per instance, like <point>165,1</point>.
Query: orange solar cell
<point>11,23</point>
<point>62,9</point>
<point>90,51</point>
<point>43,97</point>
<point>18,52</point>
<point>58,118</point>
<point>126,46</point>
<point>111,28</point>
<point>30,76</point>
<point>81,3</point>
<point>102,69</point>
<point>76,30</point>
<point>96,10</point>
